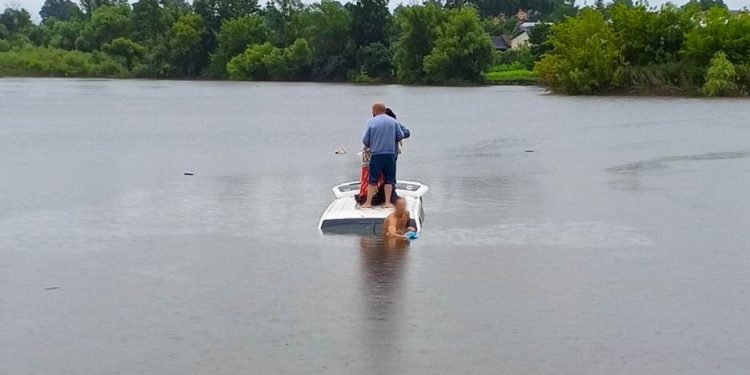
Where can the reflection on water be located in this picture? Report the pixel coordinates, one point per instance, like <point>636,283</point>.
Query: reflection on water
<point>383,263</point>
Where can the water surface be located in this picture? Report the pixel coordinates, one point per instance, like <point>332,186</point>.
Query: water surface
<point>620,245</point>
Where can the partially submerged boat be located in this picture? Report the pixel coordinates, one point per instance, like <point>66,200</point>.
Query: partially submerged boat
<point>343,215</point>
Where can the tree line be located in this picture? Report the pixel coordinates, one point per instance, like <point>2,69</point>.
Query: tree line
<point>698,49</point>
<point>361,41</point>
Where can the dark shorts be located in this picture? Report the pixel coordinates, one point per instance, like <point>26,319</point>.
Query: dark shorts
<point>385,164</point>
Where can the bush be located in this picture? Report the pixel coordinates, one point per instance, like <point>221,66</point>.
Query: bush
<point>52,62</point>
<point>506,67</point>
<point>512,77</point>
<point>375,60</point>
<point>363,78</point>
<point>267,62</point>
<point>522,56</point>
<point>720,77</point>
<point>743,78</point>
<point>126,50</point>
<point>664,79</point>
<point>585,57</point>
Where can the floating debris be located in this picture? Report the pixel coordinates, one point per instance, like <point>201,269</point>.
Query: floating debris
<point>52,287</point>
<point>340,151</point>
<point>188,173</point>
<point>529,151</point>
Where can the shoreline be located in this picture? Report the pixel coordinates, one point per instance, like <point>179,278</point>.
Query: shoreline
<point>204,79</point>
<point>618,94</point>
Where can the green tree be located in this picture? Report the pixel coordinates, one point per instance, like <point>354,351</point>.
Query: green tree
<point>298,57</point>
<point>586,56</point>
<point>126,50</point>
<point>156,63</point>
<point>546,9</point>
<point>106,24</point>
<point>235,36</point>
<point>462,51</point>
<point>559,10</point>
<point>185,45</point>
<point>15,20</point>
<point>151,20</point>
<point>720,77</point>
<point>719,31</point>
<point>375,60</point>
<point>89,6</point>
<point>538,40</point>
<point>418,26</point>
<point>329,27</point>
<point>648,36</point>
<point>267,62</point>
<point>370,21</point>
<point>286,18</point>
<point>251,64</point>
<point>215,12</point>
<point>62,10</point>
<point>62,34</point>
<point>705,4</point>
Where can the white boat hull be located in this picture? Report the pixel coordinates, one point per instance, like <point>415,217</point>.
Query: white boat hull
<point>343,215</point>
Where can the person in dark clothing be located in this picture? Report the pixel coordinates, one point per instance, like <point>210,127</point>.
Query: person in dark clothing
<point>406,131</point>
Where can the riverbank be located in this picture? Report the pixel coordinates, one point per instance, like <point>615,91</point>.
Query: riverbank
<point>51,62</point>
<point>655,80</point>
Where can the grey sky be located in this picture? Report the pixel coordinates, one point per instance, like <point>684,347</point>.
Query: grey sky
<point>33,6</point>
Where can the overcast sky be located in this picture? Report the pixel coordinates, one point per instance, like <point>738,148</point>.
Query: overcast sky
<point>33,6</point>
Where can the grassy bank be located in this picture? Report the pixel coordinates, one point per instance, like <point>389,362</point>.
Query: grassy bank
<point>511,74</point>
<point>512,77</point>
<point>52,62</point>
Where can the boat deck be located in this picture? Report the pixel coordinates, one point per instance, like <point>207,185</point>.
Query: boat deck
<point>344,215</point>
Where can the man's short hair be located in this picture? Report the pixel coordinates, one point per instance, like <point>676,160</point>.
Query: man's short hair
<point>378,107</point>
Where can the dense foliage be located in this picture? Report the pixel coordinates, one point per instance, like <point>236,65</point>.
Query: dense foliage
<point>701,48</point>
<point>52,62</point>
<point>360,41</point>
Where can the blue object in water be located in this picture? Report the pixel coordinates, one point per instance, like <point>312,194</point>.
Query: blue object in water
<point>411,235</point>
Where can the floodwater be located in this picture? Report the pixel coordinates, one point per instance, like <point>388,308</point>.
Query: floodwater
<point>620,245</point>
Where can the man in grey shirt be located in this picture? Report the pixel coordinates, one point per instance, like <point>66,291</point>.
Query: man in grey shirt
<point>380,137</point>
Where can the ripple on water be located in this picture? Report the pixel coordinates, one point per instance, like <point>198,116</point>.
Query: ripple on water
<point>545,233</point>
<point>662,162</point>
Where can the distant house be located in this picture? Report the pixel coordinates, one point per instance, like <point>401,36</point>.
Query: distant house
<point>527,26</point>
<point>520,40</point>
<point>501,42</point>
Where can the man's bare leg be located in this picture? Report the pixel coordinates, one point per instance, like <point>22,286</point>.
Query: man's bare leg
<point>371,190</point>
<point>388,192</point>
